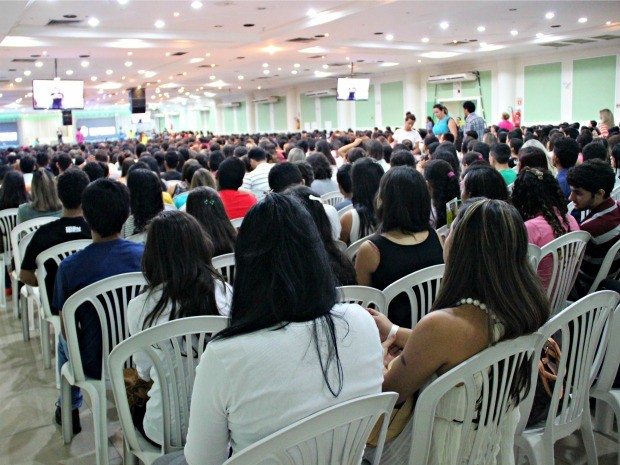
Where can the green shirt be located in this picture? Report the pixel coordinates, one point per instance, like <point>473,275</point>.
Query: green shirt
<point>509,175</point>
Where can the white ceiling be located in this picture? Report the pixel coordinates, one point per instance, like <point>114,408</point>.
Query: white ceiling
<point>214,34</point>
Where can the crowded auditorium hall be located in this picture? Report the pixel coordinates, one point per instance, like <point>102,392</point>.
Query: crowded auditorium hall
<point>309,232</point>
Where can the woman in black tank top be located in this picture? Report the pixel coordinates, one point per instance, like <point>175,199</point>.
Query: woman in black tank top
<point>404,243</point>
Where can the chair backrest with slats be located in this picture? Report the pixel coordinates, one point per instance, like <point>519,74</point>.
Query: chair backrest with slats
<point>604,270</point>
<point>605,366</point>
<point>20,231</point>
<point>109,298</point>
<point>533,255</point>
<point>56,254</point>
<point>567,253</point>
<point>421,288</point>
<point>364,296</point>
<point>344,210</point>
<point>332,198</point>
<point>336,435</point>
<point>579,328</point>
<point>175,361</point>
<point>225,265</point>
<point>487,381</point>
<point>8,220</point>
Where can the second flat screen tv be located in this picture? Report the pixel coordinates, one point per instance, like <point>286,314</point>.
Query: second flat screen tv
<point>57,94</point>
<point>352,89</point>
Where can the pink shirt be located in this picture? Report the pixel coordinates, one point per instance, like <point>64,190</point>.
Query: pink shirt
<point>505,124</point>
<point>540,233</point>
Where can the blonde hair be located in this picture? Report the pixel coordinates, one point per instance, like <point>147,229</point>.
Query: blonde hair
<point>44,195</point>
<point>202,177</point>
<point>607,118</point>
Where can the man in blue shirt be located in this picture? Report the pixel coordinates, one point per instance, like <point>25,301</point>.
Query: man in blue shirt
<point>473,121</point>
<point>565,154</point>
<point>105,205</point>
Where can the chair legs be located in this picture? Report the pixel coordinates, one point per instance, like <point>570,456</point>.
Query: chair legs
<point>128,457</point>
<point>2,283</point>
<point>67,419</point>
<point>100,418</point>
<point>23,305</point>
<point>15,294</point>
<point>587,434</point>
<point>45,343</point>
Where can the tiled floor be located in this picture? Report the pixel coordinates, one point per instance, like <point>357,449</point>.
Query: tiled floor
<point>28,434</point>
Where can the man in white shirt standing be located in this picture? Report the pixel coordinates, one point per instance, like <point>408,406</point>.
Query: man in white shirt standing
<point>408,132</point>
<point>258,178</point>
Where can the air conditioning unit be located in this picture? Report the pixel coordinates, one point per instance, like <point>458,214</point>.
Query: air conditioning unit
<point>442,78</point>
<point>229,105</point>
<point>260,101</point>
<point>322,93</point>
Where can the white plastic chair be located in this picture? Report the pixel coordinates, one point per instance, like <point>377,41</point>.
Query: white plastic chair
<point>364,296</point>
<point>332,198</point>
<point>236,222</point>
<point>533,255</point>
<point>165,347</point>
<point>19,250</point>
<point>25,305</point>
<point>46,318</point>
<point>581,327</point>
<point>344,210</point>
<point>510,188</point>
<point>421,288</point>
<point>352,250</point>
<point>615,194</point>
<point>225,265</point>
<point>336,435</point>
<point>487,379</point>
<point>341,246</point>
<point>567,253</point>
<point>8,220</point>
<point>139,238</point>
<point>443,233</point>
<point>109,297</point>
<point>603,272</point>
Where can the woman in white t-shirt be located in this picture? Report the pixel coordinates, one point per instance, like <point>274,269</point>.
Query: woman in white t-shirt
<point>181,283</point>
<point>291,350</point>
<point>408,133</point>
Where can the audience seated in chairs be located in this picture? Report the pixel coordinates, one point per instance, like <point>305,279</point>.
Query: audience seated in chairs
<point>404,241</point>
<point>474,310</point>
<point>181,283</point>
<point>481,180</point>
<point>443,183</point>
<point>145,201</point>
<point>45,200</point>
<point>105,204</point>
<point>230,175</point>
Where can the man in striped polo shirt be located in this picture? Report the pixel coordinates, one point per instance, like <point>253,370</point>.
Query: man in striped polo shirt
<point>257,180</point>
<point>591,184</point>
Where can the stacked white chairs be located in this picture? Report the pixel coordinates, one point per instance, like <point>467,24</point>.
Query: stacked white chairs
<point>354,248</point>
<point>19,249</point>
<point>580,328</point>
<point>8,220</point>
<point>364,296</point>
<point>225,265</point>
<point>567,253</point>
<point>421,288</point>
<point>488,382</point>
<point>109,297</point>
<point>332,198</point>
<point>603,272</point>
<point>167,348</point>
<point>336,435</point>
<point>46,318</point>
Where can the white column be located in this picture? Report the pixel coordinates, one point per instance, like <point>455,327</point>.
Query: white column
<point>505,90</point>
<point>219,117</point>
<point>566,105</point>
<point>412,93</point>
<point>251,113</point>
<point>292,109</point>
<point>319,118</point>
<point>346,115</point>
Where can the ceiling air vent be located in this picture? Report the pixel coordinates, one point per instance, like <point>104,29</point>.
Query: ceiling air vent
<point>23,60</point>
<point>457,42</point>
<point>316,56</point>
<point>302,40</point>
<point>554,44</point>
<point>579,41</point>
<point>178,54</point>
<point>63,22</point>
<point>606,37</point>
<point>337,64</point>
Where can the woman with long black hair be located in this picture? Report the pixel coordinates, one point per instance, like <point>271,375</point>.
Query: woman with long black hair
<point>290,350</point>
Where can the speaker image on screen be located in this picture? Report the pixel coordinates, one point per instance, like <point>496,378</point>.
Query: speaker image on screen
<point>137,100</point>
<point>67,118</point>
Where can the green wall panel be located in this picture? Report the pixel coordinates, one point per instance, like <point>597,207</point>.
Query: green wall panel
<point>441,90</point>
<point>308,110</point>
<point>279,115</point>
<point>329,111</point>
<point>242,119</point>
<point>229,120</point>
<point>264,118</point>
<point>543,89</point>
<point>365,111</point>
<point>392,105</point>
<point>594,81</point>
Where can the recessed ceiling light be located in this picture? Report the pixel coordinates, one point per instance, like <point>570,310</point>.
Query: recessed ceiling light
<point>196,60</point>
<point>239,87</point>
<point>27,72</point>
<point>388,64</point>
<point>240,77</point>
<point>583,20</point>
<point>176,14</point>
<point>128,64</point>
<point>311,12</point>
<point>129,53</point>
<point>140,71</point>
<point>514,32</point>
<point>159,24</point>
<point>213,65</point>
<point>550,15</point>
<point>207,54</point>
<point>212,77</point>
<point>93,22</point>
<point>85,64</point>
<point>184,73</point>
<point>296,65</point>
<point>196,5</point>
<point>265,65</point>
<point>292,72</point>
<point>279,69</point>
<point>481,28</point>
<point>389,37</point>
<point>266,71</point>
<point>608,23</point>
<point>444,25</point>
<point>419,61</point>
<point>93,78</point>
<point>271,49</point>
<point>69,72</point>
<point>540,35</point>
<point>38,64</point>
<point>483,44</point>
<point>325,66</point>
<point>259,87</point>
<point>109,71</point>
<point>425,39</point>
<point>122,2</point>
<point>44,52</point>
